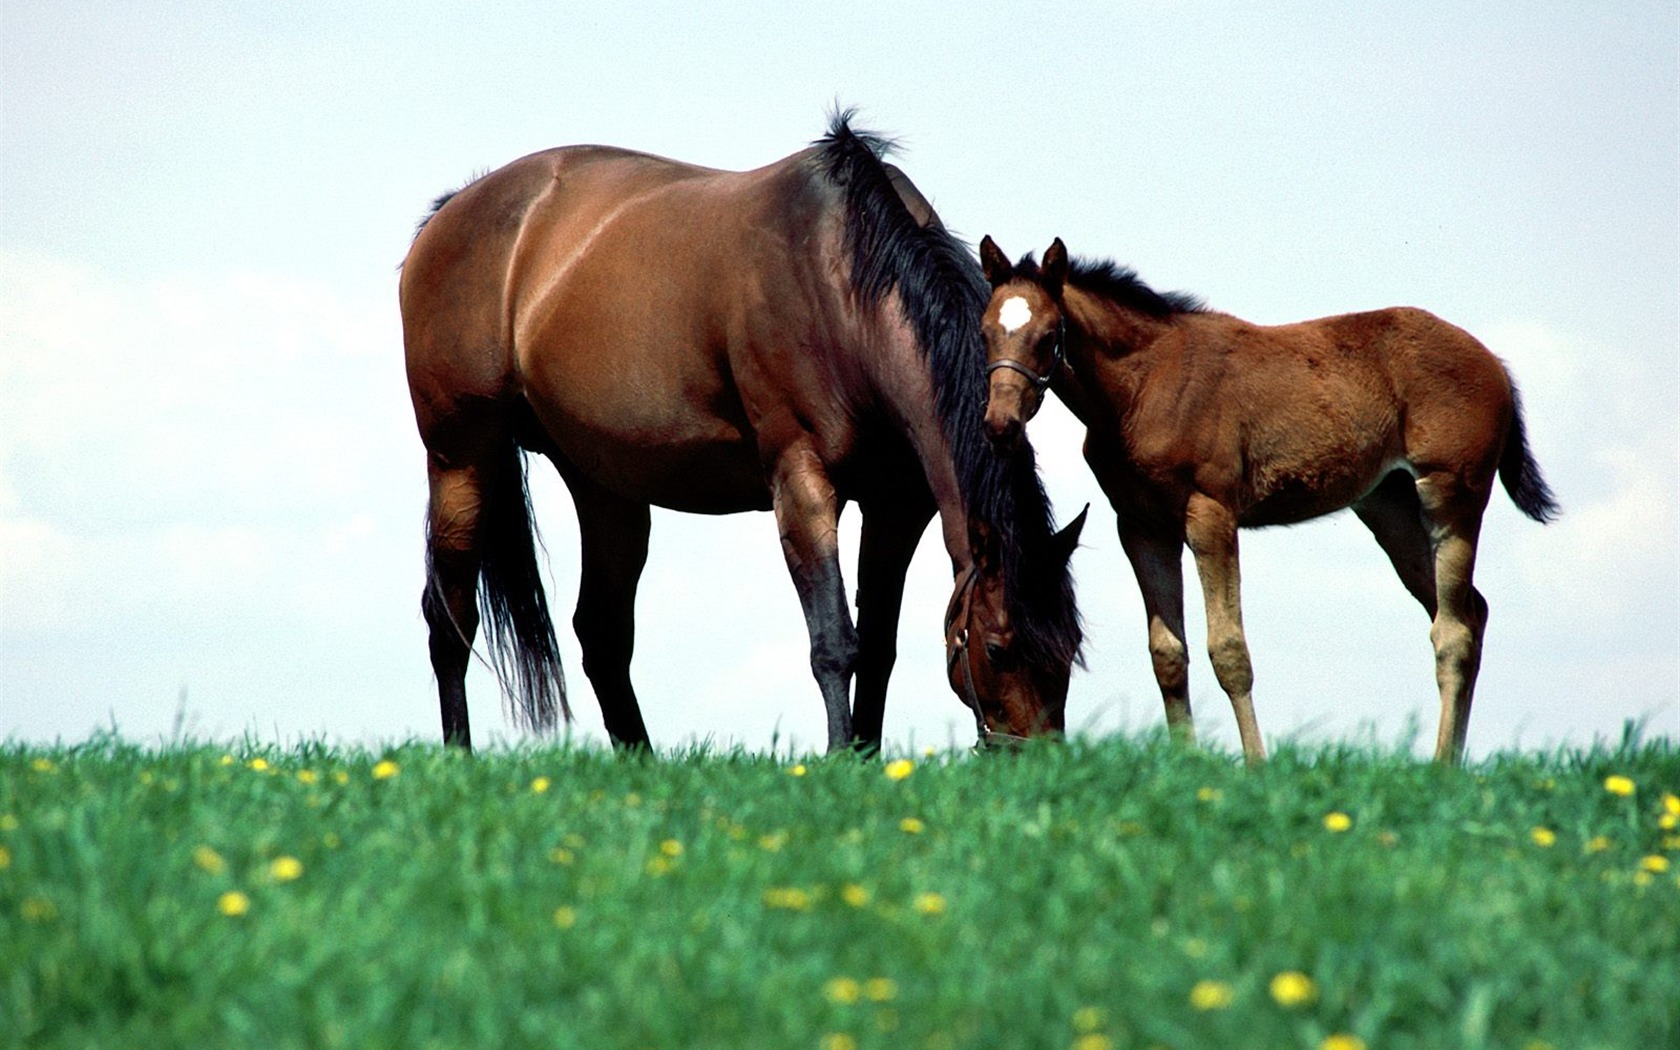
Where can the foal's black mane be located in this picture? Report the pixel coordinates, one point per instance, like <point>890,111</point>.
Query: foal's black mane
<point>1121,284</point>
<point>944,293</point>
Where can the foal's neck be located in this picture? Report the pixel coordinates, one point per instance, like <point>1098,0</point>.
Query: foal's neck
<point>1110,329</point>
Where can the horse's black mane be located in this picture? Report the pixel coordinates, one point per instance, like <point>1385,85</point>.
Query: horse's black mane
<point>944,293</point>
<point>1121,284</point>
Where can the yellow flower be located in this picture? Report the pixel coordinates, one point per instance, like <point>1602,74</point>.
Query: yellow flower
<point>797,770</point>
<point>1093,1041</point>
<point>38,909</point>
<point>773,842</point>
<point>854,895</point>
<point>1089,1018</point>
<point>929,904</point>
<point>1209,794</point>
<point>561,856</point>
<point>285,869</point>
<point>843,990</point>
<point>385,769</point>
<point>308,776</point>
<point>226,760</point>
<point>1668,821</point>
<point>1210,995</point>
<point>900,768</point>
<point>671,848</point>
<point>1293,988</point>
<point>912,826</point>
<point>1597,844</point>
<point>1655,863</point>
<point>565,917</point>
<point>233,903</point>
<point>1342,1041</point>
<point>341,776</point>
<point>539,785</point>
<point>787,898</point>
<point>838,1041</point>
<point>209,860</point>
<point>5,858</point>
<point>1543,836</point>
<point>658,865</point>
<point>880,989</point>
<point>257,765</point>
<point>1617,784</point>
<point>1338,821</point>
<point>42,765</point>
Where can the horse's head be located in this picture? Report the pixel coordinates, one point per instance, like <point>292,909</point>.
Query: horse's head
<point>1024,327</point>
<point>1015,688</point>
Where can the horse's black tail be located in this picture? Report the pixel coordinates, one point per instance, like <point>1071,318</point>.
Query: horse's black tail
<point>518,630</point>
<point>1520,474</point>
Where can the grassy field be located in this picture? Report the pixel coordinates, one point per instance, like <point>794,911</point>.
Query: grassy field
<point>1097,895</point>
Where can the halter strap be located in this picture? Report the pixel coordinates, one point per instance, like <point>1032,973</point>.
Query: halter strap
<point>988,738</point>
<point>1039,382</point>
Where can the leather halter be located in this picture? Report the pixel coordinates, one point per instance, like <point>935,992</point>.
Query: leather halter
<point>988,737</point>
<point>1039,382</point>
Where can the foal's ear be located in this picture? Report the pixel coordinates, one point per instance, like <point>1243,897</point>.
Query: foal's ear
<point>1055,267</point>
<point>1066,541</point>
<point>994,262</point>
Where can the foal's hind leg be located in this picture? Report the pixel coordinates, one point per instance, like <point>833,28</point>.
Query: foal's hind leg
<point>1454,516</point>
<point>1211,530</point>
<point>890,534</point>
<point>614,537</point>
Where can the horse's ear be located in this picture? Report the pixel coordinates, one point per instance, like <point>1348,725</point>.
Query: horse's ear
<point>1066,541</point>
<point>994,262</point>
<point>1055,268</point>
<point>982,544</point>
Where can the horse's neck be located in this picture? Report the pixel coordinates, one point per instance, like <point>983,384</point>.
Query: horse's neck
<point>1103,334</point>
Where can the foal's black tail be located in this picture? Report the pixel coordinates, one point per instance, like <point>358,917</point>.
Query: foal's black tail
<point>518,630</point>
<point>1520,474</point>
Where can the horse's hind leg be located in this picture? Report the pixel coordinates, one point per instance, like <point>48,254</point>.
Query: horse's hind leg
<point>450,601</point>
<point>1454,516</point>
<point>1159,567</point>
<point>1211,530</point>
<point>890,534</point>
<point>613,534</point>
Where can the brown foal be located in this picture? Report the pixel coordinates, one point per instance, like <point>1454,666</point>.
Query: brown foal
<point>1199,423</point>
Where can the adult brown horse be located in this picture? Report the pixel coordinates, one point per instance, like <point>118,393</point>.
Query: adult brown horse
<point>1198,423</point>
<point>794,337</point>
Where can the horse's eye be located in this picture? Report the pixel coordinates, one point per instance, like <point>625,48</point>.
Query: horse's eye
<point>996,653</point>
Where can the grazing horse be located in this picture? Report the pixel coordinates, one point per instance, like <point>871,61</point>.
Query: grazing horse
<point>1199,423</point>
<point>790,338</point>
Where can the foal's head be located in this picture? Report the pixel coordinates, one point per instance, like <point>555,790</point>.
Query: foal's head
<point>1015,688</point>
<point>1024,328</point>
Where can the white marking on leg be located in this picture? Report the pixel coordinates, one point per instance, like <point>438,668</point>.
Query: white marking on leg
<point>1014,313</point>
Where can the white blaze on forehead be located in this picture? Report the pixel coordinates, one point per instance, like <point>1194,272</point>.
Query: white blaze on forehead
<point>1014,313</point>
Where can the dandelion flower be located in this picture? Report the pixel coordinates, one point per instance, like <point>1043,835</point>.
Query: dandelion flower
<point>838,1041</point>
<point>560,855</point>
<point>1543,837</point>
<point>565,917</point>
<point>341,777</point>
<point>1293,988</point>
<point>42,765</point>
<point>773,842</point>
<point>787,898</point>
<point>1210,995</point>
<point>308,776</point>
<point>233,903</point>
<point>1342,1041</point>
<point>1209,794</point>
<point>658,865</point>
<point>1093,1041</point>
<point>854,895</point>
<point>880,989</point>
<point>929,903</point>
<point>226,760</point>
<point>1655,864</point>
<point>385,769</point>
<point>1617,784</point>
<point>285,869</point>
<point>1089,1018</point>
<point>539,785</point>
<point>257,765</point>
<point>900,768</point>
<point>1671,804</point>
<point>842,990</point>
<point>797,770</point>
<point>1596,844</point>
<point>911,826</point>
<point>1338,821</point>
<point>38,909</point>
<point>209,860</point>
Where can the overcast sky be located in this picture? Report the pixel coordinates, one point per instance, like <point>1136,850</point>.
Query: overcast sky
<point>211,489</point>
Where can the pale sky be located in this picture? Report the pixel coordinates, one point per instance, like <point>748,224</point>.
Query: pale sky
<point>211,489</point>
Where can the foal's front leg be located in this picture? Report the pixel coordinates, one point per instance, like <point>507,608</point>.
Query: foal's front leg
<point>1158,565</point>
<point>808,515</point>
<point>1210,528</point>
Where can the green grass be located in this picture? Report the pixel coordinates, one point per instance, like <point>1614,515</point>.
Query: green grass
<point>1067,896</point>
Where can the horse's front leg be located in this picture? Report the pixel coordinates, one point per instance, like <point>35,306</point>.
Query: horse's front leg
<point>890,534</point>
<point>808,514</point>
